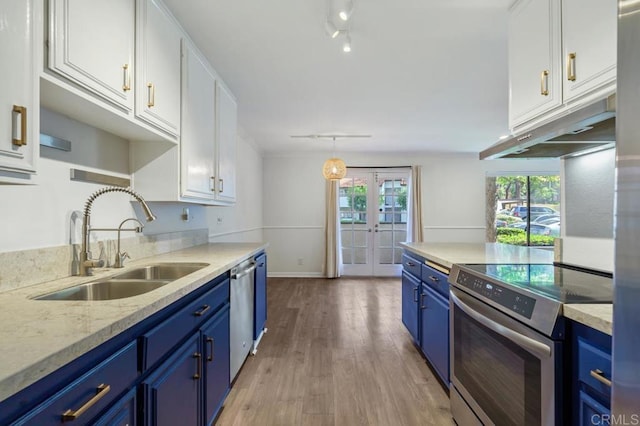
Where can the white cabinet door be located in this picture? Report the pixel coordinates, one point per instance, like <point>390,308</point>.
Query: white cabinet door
<point>535,85</point>
<point>19,122</point>
<point>198,133</point>
<point>91,43</point>
<point>589,34</point>
<point>158,68</point>
<point>227,113</point>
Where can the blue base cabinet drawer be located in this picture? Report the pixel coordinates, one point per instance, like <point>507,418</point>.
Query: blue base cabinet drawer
<point>411,265</point>
<point>158,341</point>
<point>91,393</point>
<point>594,362</point>
<point>592,412</point>
<point>436,280</point>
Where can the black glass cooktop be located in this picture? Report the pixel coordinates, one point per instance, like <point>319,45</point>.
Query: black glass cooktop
<point>556,282</point>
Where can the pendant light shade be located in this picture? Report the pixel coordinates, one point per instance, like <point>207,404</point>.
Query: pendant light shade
<point>334,169</point>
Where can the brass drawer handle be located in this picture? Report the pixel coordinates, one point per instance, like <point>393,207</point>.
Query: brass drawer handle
<point>410,264</point>
<point>71,415</point>
<point>22,140</point>
<point>544,83</point>
<point>415,294</point>
<point>202,311</point>
<point>221,185</point>
<point>210,341</point>
<point>599,376</point>
<point>571,67</point>
<point>126,83</point>
<point>434,279</point>
<point>152,95</point>
<point>422,305</point>
<point>198,374</point>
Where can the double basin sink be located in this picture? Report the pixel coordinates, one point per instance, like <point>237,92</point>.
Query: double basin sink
<point>127,284</point>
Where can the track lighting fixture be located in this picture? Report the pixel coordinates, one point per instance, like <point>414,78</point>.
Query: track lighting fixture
<point>346,11</point>
<point>332,30</point>
<point>346,46</point>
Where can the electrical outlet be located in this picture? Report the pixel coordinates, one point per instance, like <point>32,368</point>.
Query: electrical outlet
<point>300,261</point>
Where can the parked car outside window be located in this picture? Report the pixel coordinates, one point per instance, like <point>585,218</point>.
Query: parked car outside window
<point>544,217</point>
<point>522,211</point>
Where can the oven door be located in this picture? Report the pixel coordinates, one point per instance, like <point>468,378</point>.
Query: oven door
<point>504,370</point>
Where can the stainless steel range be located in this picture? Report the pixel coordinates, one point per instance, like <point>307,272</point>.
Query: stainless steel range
<point>506,339</point>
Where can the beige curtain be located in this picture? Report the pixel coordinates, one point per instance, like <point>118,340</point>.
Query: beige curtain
<point>414,231</point>
<point>333,256</point>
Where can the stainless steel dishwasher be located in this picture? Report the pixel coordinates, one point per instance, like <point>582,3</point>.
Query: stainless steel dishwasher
<point>241,313</point>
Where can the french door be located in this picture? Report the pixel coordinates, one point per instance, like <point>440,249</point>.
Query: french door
<point>373,220</point>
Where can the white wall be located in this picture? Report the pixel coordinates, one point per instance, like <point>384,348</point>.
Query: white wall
<point>241,222</point>
<point>36,216</point>
<point>453,201</point>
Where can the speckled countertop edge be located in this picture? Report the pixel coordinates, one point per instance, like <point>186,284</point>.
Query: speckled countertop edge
<point>597,316</point>
<point>39,336</point>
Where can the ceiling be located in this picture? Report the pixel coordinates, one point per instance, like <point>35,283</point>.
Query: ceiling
<point>423,75</point>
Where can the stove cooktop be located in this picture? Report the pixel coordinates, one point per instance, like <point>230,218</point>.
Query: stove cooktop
<point>558,283</point>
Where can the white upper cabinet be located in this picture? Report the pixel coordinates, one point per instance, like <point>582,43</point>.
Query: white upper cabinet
<point>198,133</point>
<point>19,118</point>
<point>158,70</point>
<point>589,34</point>
<point>562,55</point>
<point>534,59</point>
<point>227,120</point>
<point>92,44</point>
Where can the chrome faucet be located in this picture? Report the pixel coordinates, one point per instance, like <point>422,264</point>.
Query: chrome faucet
<point>86,262</point>
<point>120,256</point>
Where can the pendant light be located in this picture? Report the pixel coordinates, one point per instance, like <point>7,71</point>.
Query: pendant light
<point>334,168</point>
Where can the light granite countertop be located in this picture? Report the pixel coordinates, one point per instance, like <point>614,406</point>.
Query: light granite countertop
<point>446,254</point>
<point>39,336</point>
<point>598,316</point>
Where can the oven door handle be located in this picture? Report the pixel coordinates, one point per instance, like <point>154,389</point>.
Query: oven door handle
<point>528,343</point>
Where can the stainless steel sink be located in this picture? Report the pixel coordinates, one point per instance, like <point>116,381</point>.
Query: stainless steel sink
<point>162,271</point>
<point>127,284</point>
<point>107,289</point>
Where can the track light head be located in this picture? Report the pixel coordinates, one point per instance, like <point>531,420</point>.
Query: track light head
<point>331,29</point>
<point>345,12</point>
<point>346,46</point>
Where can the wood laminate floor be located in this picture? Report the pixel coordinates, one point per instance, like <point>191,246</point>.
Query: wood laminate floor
<point>336,353</point>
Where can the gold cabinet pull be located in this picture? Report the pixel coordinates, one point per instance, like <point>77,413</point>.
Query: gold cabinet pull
<point>22,140</point>
<point>221,185</point>
<point>415,294</point>
<point>571,67</point>
<point>71,415</point>
<point>544,83</point>
<point>422,305</point>
<point>599,376</point>
<point>198,374</point>
<point>126,82</point>
<point>213,184</point>
<point>202,311</point>
<point>210,342</point>
<point>152,95</point>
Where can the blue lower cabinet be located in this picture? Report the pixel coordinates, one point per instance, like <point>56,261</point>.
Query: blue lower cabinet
<point>85,397</point>
<point>434,331</point>
<point>410,290</point>
<point>215,344</point>
<point>591,412</point>
<point>260,305</point>
<point>172,391</point>
<point>123,412</point>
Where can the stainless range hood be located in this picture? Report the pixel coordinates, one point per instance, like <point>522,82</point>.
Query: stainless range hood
<point>591,128</point>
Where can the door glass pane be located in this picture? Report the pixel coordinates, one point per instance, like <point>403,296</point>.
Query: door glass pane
<point>392,216</point>
<point>353,220</point>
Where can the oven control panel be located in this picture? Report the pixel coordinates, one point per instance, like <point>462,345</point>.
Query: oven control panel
<point>512,300</point>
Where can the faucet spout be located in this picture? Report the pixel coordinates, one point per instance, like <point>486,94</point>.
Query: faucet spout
<point>86,263</point>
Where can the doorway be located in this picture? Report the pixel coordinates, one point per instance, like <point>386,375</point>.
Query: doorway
<point>373,220</point>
